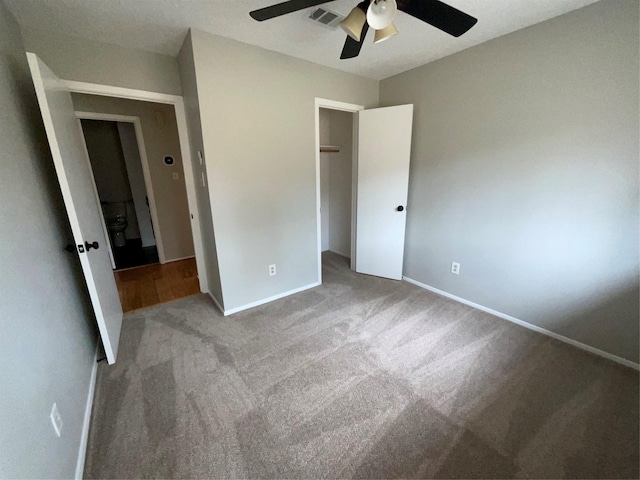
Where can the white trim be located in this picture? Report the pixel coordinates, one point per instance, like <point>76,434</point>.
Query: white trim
<point>345,255</point>
<point>217,303</point>
<point>146,172</point>
<point>181,258</point>
<point>270,299</point>
<point>535,328</point>
<point>84,436</point>
<point>345,107</point>
<point>185,150</point>
<point>120,92</point>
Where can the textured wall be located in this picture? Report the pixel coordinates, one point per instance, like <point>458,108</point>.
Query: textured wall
<point>336,129</point>
<point>258,124</point>
<point>83,60</point>
<point>109,168</point>
<point>129,144</point>
<point>48,340</point>
<point>192,106</point>
<point>525,170</point>
<point>340,183</point>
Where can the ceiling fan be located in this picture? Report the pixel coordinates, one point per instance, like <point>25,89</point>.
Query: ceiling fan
<point>379,14</point>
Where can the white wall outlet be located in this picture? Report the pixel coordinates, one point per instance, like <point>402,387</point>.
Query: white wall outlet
<point>176,176</point>
<point>272,270</point>
<point>455,268</point>
<point>56,420</point>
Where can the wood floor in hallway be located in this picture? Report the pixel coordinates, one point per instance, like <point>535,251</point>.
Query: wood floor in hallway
<point>149,285</point>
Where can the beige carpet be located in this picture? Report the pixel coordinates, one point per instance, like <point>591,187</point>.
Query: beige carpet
<point>359,378</point>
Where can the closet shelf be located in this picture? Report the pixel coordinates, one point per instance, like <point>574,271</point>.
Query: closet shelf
<point>329,148</point>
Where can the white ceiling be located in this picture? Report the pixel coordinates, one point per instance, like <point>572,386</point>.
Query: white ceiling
<point>161,25</point>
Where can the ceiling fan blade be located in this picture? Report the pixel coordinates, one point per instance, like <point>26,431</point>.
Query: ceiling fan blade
<point>440,15</point>
<point>352,48</point>
<point>284,8</point>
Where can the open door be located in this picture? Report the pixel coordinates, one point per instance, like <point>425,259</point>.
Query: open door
<point>384,148</point>
<point>76,182</point>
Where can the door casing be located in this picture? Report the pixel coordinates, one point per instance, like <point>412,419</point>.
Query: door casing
<point>178,103</point>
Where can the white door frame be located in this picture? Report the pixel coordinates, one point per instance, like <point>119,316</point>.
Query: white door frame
<point>344,107</point>
<point>185,150</point>
<point>146,173</point>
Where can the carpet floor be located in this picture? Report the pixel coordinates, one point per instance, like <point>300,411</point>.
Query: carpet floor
<point>359,378</point>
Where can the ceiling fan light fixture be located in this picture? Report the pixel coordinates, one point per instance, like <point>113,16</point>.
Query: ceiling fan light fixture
<point>354,22</point>
<point>385,33</point>
<point>381,13</point>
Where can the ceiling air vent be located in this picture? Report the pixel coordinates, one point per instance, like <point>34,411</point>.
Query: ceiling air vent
<point>325,17</point>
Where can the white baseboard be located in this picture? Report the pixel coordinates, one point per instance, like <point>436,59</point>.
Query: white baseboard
<point>84,439</point>
<point>530,326</point>
<point>216,302</point>
<point>177,259</point>
<point>270,299</point>
<point>345,255</point>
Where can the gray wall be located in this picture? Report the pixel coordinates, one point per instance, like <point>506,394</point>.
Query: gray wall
<point>340,185</point>
<point>160,133</point>
<point>524,169</point>
<point>107,161</point>
<point>83,60</point>
<point>336,129</point>
<point>258,124</point>
<point>129,144</point>
<point>48,341</point>
<point>325,177</point>
<point>109,169</point>
<point>192,108</point>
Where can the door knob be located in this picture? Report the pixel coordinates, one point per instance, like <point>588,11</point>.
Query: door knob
<point>70,248</point>
<point>400,208</point>
<point>91,245</point>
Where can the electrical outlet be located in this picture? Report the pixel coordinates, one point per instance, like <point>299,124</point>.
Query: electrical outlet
<point>56,420</point>
<point>455,268</point>
<point>176,176</point>
<point>272,270</point>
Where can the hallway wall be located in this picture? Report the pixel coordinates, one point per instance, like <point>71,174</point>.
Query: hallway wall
<point>160,133</point>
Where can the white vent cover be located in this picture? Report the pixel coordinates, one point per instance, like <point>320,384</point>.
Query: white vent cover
<point>325,17</point>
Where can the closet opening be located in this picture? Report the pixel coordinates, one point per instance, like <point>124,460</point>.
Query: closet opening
<point>336,128</point>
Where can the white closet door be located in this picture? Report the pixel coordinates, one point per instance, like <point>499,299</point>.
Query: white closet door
<point>384,149</point>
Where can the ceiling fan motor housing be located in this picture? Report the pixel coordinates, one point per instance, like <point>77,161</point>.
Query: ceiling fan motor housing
<point>381,13</point>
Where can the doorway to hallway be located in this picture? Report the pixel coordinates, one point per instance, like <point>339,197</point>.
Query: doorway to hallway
<point>150,285</point>
<point>118,174</point>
